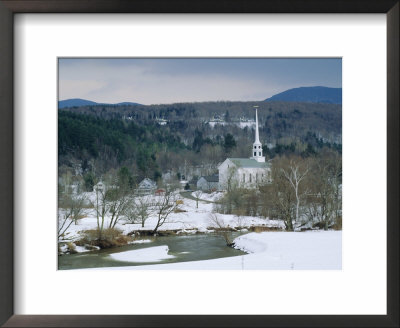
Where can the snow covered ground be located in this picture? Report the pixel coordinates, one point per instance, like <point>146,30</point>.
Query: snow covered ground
<point>190,219</point>
<point>242,125</point>
<point>214,196</point>
<point>151,254</point>
<point>313,250</point>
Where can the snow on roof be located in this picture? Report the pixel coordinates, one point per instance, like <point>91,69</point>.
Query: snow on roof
<point>248,162</point>
<point>146,182</point>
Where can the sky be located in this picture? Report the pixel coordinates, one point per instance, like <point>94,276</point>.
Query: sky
<point>163,81</point>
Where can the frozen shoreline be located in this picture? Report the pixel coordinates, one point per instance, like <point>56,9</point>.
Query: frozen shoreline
<point>314,250</point>
<point>277,250</point>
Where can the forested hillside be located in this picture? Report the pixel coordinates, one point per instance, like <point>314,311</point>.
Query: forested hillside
<point>151,140</point>
<point>324,118</point>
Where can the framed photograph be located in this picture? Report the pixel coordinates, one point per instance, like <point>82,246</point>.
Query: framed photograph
<point>179,181</point>
<point>204,164</point>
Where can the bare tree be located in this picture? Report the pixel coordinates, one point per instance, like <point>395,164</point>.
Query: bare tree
<point>73,209</point>
<point>100,206</point>
<point>221,227</point>
<point>324,203</point>
<point>232,179</point>
<point>281,199</point>
<point>139,210</point>
<point>295,174</point>
<point>232,199</point>
<point>165,205</point>
<point>240,221</point>
<point>305,192</point>
<point>78,210</point>
<point>335,181</point>
<point>117,202</point>
<point>278,197</point>
<point>197,195</point>
<point>64,225</point>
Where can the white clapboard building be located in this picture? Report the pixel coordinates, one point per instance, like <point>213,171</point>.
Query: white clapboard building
<point>245,172</point>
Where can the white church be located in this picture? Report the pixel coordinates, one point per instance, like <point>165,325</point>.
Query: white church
<point>245,172</point>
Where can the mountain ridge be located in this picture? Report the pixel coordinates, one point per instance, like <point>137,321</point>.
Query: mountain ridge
<point>315,94</point>
<point>78,102</point>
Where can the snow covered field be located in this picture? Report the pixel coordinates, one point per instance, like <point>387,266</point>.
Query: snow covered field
<point>313,250</point>
<point>191,219</point>
<point>279,250</point>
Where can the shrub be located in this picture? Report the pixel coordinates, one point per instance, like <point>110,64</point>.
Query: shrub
<point>110,237</point>
<point>71,248</point>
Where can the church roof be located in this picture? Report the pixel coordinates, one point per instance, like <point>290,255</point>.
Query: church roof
<point>248,162</point>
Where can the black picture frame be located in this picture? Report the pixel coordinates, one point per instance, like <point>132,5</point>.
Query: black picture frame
<point>10,7</point>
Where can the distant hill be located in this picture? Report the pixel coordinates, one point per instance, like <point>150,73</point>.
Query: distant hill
<point>77,102</point>
<point>323,95</point>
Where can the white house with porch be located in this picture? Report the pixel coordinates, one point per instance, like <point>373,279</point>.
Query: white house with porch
<point>146,186</point>
<point>245,172</point>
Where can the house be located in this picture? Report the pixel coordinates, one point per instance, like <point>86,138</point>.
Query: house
<point>245,172</point>
<point>193,182</point>
<point>159,192</point>
<point>161,121</point>
<point>146,186</point>
<point>208,183</point>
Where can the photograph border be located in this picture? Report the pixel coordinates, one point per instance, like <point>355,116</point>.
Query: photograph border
<point>10,7</point>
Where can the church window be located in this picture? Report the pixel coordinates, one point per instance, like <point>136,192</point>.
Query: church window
<point>255,153</point>
<point>259,146</point>
<point>259,154</point>
<point>249,177</point>
<point>255,147</point>
<point>244,177</point>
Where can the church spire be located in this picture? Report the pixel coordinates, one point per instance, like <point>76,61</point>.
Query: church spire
<point>257,140</point>
<point>257,147</point>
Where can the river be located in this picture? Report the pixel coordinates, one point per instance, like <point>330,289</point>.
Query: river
<point>184,248</point>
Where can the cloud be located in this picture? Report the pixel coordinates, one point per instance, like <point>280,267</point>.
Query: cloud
<point>150,81</point>
<point>72,88</point>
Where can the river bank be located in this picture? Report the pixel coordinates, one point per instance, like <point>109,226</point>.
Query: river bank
<point>191,239</point>
<point>311,250</point>
<point>193,218</point>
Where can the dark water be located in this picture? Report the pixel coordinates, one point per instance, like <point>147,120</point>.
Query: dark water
<point>184,248</point>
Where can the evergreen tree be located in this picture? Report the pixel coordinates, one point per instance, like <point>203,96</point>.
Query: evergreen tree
<point>229,143</point>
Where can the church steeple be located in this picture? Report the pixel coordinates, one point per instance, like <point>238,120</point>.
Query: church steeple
<point>257,140</point>
<point>257,147</point>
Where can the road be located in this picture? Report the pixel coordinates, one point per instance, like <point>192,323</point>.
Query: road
<point>188,194</point>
